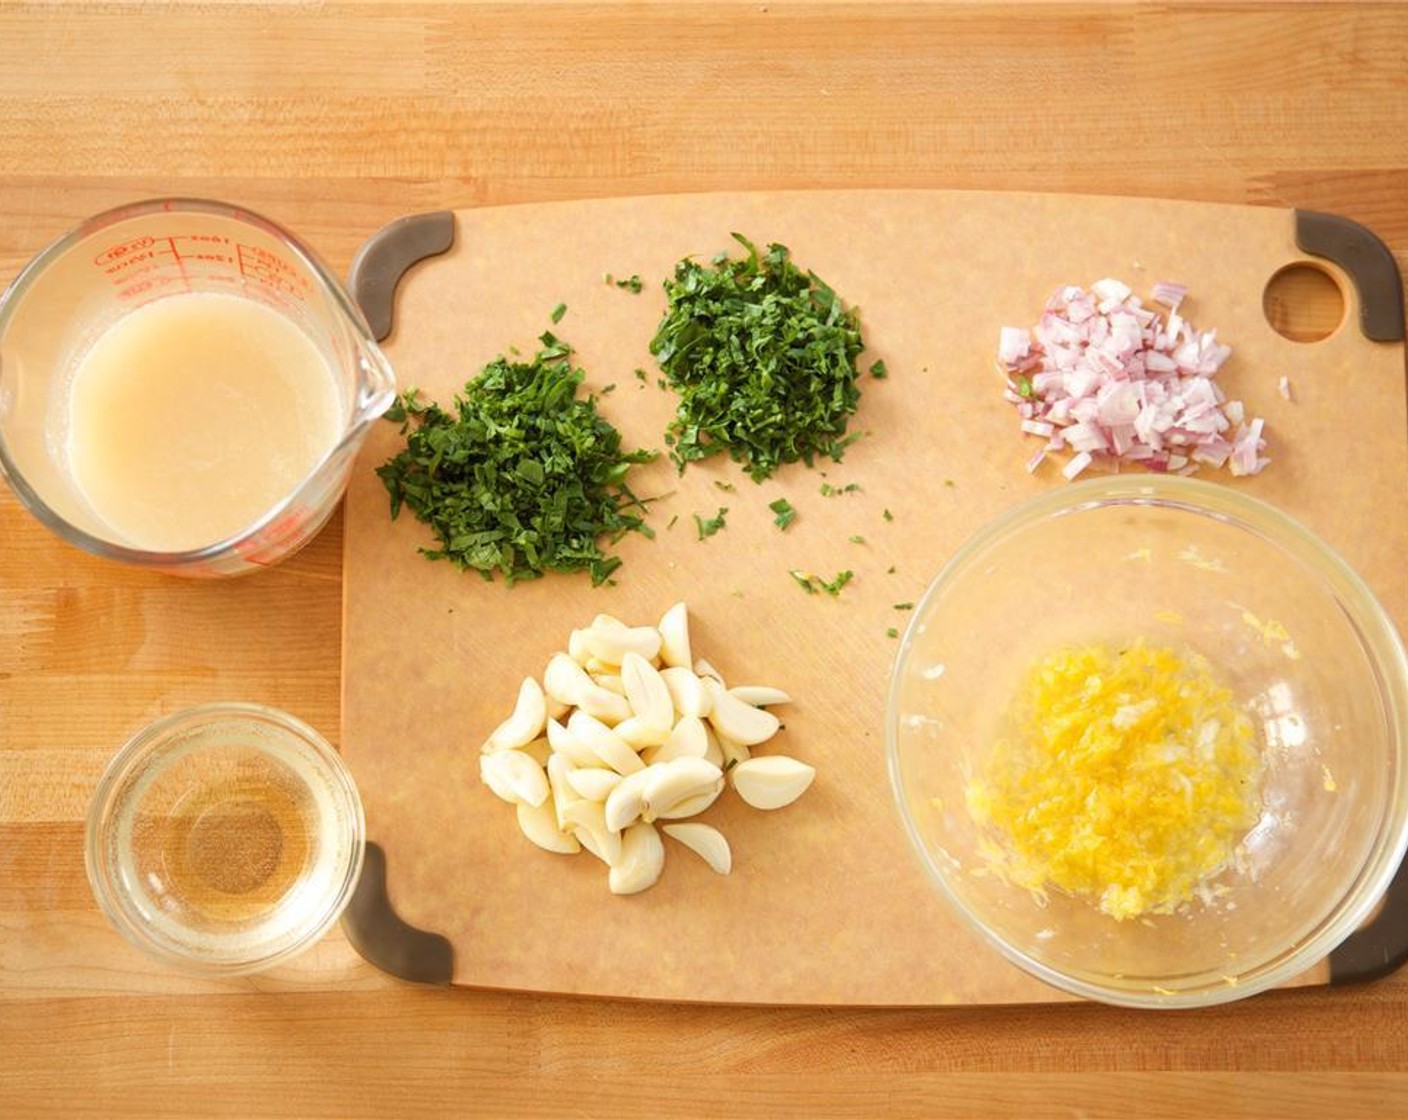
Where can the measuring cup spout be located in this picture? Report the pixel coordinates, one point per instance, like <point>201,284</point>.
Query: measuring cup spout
<point>376,384</point>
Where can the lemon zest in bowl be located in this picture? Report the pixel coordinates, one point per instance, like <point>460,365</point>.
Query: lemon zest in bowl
<point>1131,781</point>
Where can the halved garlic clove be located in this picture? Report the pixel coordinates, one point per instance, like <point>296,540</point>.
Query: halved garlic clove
<point>640,734</point>
<point>689,739</point>
<point>514,777</point>
<point>705,841</point>
<point>680,788</point>
<point>626,800</point>
<point>647,692</point>
<point>733,719</point>
<point>594,784</point>
<point>674,637</point>
<point>539,824</point>
<point>587,821</point>
<point>687,691</point>
<point>604,743</point>
<point>563,795</point>
<point>641,861</point>
<point>759,696</point>
<point>530,713</point>
<point>602,704</point>
<point>565,680</point>
<point>610,644</point>
<point>771,781</point>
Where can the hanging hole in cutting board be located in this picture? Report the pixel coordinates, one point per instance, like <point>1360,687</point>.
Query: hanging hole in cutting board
<point>1304,303</point>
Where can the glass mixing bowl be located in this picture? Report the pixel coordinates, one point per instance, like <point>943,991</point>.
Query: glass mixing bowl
<point>1284,622</point>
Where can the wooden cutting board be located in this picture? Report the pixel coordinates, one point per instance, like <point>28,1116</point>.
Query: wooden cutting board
<point>826,904</point>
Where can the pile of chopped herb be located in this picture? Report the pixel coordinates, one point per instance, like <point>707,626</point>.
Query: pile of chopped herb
<point>763,358</point>
<point>522,477</point>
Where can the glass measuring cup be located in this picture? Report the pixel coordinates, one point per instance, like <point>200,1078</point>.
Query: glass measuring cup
<point>127,259</point>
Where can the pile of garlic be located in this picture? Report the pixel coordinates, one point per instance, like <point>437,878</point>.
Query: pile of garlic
<point>627,729</point>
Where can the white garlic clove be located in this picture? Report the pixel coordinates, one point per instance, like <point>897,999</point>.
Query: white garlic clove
<point>640,734</point>
<point>713,750</point>
<point>563,795</point>
<point>577,647</point>
<point>679,788</point>
<point>689,739</point>
<point>604,743</point>
<point>538,750</point>
<point>626,799</point>
<point>733,752</point>
<point>641,861</point>
<point>564,680</point>
<point>733,719</point>
<point>612,682</point>
<point>705,841</point>
<point>539,824</point>
<point>530,713</point>
<point>587,821</point>
<point>514,777</point>
<point>687,691</point>
<point>703,668</point>
<point>611,644</point>
<point>647,692</point>
<point>674,637</point>
<point>772,781</point>
<point>563,742</point>
<point>759,696</point>
<point>594,784</point>
<point>602,704</point>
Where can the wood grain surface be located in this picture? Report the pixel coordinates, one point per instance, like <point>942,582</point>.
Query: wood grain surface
<point>336,118</point>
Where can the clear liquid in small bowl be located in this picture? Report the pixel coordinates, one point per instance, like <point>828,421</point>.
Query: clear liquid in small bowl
<point>234,847</point>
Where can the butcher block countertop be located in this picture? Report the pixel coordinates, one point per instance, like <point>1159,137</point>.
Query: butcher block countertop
<point>337,118</point>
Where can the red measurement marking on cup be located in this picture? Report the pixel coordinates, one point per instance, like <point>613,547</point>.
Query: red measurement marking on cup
<point>114,253</point>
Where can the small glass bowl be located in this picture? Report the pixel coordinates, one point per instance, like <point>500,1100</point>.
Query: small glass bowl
<point>1288,627</point>
<point>224,839</point>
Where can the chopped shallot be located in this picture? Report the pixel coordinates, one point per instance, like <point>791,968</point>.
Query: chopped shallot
<point>1115,382</point>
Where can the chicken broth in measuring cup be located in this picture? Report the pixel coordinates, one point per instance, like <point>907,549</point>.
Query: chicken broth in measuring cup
<point>194,415</point>
<point>184,386</point>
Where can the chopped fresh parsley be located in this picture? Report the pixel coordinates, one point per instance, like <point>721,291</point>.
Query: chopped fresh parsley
<point>519,476</point>
<point>763,358</point>
<point>892,633</point>
<point>878,370</point>
<point>829,491</point>
<point>857,539</point>
<point>558,312</point>
<point>707,528</point>
<point>726,487</point>
<point>904,606</point>
<point>888,516</point>
<point>640,373</point>
<point>786,514</point>
<point>632,283</point>
<point>671,525</point>
<point>811,584</point>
